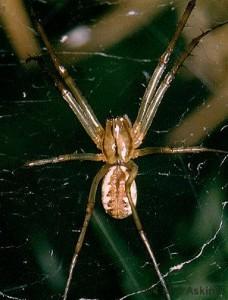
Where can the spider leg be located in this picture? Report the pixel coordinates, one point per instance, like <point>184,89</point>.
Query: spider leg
<point>89,212</point>
<point>133,170</point>
<point>71,93</point>
<point>65,157</point>
<point>165,84</point>
<point>173,150</point>
<point>162,65</point>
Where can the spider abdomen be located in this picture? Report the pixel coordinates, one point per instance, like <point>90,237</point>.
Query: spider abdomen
<point>114,197</point>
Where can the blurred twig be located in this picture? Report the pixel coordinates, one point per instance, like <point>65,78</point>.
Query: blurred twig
<point>18,28</point>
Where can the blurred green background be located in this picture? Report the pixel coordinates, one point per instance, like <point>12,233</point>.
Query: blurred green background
<point>181,198</point>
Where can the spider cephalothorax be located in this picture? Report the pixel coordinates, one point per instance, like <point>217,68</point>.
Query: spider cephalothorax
<point>118,140</point>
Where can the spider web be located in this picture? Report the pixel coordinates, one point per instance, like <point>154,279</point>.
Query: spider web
<point>182,200</point>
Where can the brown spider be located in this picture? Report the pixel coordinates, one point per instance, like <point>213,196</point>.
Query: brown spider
<point>119,141</point>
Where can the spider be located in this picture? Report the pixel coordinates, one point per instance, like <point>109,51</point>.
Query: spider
<point>119,140</point>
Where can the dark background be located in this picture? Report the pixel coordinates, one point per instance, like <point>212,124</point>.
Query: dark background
<point>181,198</point>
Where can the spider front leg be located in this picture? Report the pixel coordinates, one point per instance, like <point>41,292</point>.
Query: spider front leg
<point>133,170</point>
<point>161,67</point>
<point>144,124</point>
<point>71,93</point>
<point>89,212</point>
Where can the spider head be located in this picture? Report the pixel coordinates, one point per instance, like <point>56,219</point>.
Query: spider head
<point>118,142</point>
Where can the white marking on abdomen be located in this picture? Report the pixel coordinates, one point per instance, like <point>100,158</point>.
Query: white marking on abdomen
<point>114,198</point>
